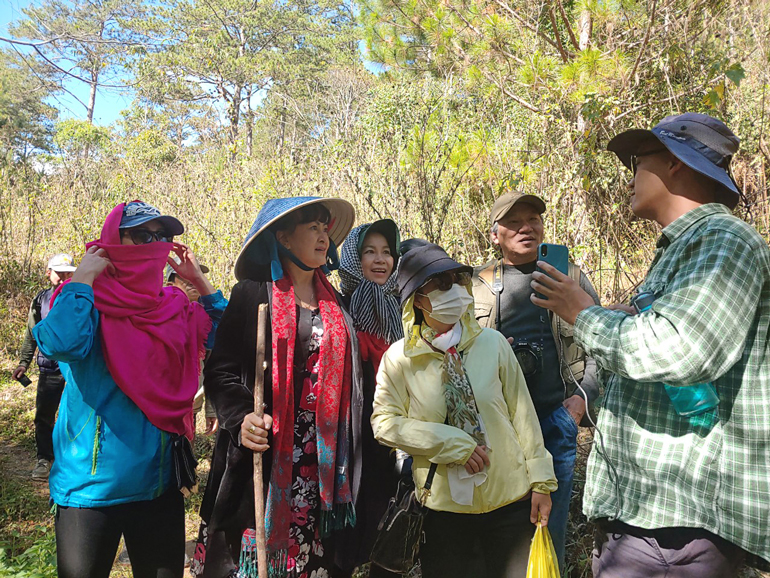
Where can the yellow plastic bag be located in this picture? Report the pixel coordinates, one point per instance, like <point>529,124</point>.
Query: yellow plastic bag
<point>542,556</point>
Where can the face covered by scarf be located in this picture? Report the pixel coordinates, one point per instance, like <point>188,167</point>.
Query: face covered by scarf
<point>153,338</point>
<point>375,308</point>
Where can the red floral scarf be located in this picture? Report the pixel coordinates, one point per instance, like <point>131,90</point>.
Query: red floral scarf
<point>332,418</point>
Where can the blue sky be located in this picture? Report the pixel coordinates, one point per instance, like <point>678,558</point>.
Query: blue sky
<point>109,102</point>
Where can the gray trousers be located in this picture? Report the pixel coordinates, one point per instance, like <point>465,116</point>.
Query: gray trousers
<point>623,551</point>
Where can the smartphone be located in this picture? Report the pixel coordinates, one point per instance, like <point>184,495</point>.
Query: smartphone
<point>24,380</point>
<point>555,255</point>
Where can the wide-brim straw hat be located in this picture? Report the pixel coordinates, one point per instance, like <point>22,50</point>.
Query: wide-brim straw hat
<point>253,262</point>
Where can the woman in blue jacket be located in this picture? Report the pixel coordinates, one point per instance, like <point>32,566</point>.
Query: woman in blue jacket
<point>129,350</point>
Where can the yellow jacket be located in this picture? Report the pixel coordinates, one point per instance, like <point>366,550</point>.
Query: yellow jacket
<point>410,409</point>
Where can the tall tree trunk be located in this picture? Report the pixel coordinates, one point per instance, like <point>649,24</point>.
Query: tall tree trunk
<point>282,137</point>
<point>585,25</point>
<point>249,123</point>
<point>92,100</point>
<point>580,201</point>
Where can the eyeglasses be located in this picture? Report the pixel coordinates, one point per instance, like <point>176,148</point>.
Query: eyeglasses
<point>444,281</point>
<point>143,236</point>
<point>635,158</point>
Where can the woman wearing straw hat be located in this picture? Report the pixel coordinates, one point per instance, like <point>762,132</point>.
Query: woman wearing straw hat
<point>368,282</point>
<point>310,434</point>
<point>452,395</point>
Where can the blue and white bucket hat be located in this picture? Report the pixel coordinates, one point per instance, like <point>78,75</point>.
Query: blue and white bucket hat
<point>259,260</point>
<point>701,142</point>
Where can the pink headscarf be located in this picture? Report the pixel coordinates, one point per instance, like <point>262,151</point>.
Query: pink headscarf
<point>153,337</point>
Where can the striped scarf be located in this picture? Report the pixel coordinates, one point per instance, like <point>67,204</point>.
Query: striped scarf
<point>375,308</point>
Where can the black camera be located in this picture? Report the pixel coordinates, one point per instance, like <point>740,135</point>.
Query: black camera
<point>529,356</point>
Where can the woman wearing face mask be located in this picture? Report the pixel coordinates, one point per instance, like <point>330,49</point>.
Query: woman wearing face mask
<point>368,283</point>
<point>130,351</point>
<point>310,433</point>
<point>451,393</point>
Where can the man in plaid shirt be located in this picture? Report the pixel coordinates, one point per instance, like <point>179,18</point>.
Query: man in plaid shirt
<point>680,493</point>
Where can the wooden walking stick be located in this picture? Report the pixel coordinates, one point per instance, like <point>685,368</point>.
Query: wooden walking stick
<point>259,409</point>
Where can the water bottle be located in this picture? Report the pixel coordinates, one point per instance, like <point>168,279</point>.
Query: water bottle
<point>688,400</point>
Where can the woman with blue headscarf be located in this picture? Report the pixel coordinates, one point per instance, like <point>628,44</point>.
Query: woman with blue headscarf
<point>310,434</point>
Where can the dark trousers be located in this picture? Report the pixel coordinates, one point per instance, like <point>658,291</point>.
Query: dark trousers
<point>453,543</point>
<point>623,551</point>
<point>87,538</point>
<point>49,389</point>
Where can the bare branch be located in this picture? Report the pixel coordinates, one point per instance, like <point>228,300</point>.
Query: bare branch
<point>572,38</point>
<point>524,23</point>
<point>559,46</point>
<point>645,41</point>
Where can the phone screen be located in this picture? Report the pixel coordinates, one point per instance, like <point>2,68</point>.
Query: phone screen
<point>555,255</point>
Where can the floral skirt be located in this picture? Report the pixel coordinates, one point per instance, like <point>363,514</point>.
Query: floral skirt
<point>307,557</point>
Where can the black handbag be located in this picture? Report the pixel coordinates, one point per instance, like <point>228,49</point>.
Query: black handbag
<point>183,461</point>
<point>400,531</point>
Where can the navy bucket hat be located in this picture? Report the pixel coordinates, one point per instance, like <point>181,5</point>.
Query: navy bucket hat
<point>258,259</point>
<point>421,260</point>
<point>701,142</point>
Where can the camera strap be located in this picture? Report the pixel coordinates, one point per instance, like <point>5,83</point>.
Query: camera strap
<point>497,287</point>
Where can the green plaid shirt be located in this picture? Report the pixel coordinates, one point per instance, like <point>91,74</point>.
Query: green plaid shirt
<point>709,323</point>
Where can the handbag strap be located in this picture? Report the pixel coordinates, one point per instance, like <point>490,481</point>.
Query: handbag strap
<point>429,479</point>
<point>428,483</point>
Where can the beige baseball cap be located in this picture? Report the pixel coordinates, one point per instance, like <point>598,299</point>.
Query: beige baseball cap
<point>506,202</point>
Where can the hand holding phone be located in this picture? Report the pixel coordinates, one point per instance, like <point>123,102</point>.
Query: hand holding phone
<point>555,255</point>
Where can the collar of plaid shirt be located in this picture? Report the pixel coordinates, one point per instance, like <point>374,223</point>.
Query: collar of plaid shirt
<point>710,323</point>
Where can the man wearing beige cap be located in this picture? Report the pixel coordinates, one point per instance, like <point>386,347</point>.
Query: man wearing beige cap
<point>559,375</point>
<point>50,384</point>
<point>680,488</point>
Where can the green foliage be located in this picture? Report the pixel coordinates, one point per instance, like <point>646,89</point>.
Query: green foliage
<point>37,561</point>
<point>150,148</point>
<point>26,121</point>
<point>75,136</point>
<point>230,52</point>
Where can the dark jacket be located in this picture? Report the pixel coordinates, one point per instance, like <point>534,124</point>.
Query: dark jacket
<point>379,477</point>
<point>228,503</point>
<point>38,310</point>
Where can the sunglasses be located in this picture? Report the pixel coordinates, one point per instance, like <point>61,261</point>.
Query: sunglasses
<point>444,281</point>
<point>635,158</point>
<point>143,236</point>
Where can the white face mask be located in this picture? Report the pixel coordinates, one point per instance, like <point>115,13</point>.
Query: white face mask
<point>448,306</point>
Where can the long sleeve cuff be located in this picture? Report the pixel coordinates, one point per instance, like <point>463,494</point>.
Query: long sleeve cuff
<point>543,488</point>
<point>210,301</point>
<point>541,474</point>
